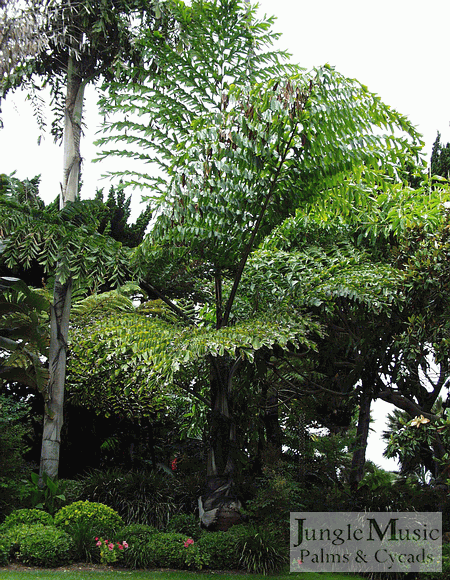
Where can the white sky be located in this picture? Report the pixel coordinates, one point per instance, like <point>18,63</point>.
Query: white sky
<point>398,48</point>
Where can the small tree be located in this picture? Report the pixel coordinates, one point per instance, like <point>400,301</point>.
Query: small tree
<point>245,141</point>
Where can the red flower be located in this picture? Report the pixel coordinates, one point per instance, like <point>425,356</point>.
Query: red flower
<point>174,464</point>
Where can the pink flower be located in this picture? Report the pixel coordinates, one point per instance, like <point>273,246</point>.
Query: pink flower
<point>111,546</point>
<point>299,561</point>
<point>98,544</point>
<point>188,542</point>
<point>124,544</point>
<point>120,546</point>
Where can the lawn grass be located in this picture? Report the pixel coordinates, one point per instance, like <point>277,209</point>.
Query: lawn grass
<point>83,573</point>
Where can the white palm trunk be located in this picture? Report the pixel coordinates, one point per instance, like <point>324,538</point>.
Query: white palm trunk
<point>60,310</point>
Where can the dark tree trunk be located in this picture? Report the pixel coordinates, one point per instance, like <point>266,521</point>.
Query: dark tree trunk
<point>362,434</point>
<point>219,506</point>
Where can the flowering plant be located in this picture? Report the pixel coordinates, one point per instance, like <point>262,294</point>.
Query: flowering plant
<point>194,557</point>
<point>110,551</point>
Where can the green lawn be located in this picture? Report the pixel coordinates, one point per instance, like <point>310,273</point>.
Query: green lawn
<point>87,573</point>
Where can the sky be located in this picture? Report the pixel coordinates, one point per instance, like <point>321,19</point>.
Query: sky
<point>398,48</point>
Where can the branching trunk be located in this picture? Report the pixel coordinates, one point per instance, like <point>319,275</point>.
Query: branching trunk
<point>60,311</point>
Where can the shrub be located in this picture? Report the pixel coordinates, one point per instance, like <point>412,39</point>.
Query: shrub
<point>99,518</point>
<point>110,551</point>
<point>261,550</point>
<point>40,545</point>
<point>276,494</point>
<point>135,533</point>
<point>27,516</point>
<point>166,550</point>
<point>4,551</point>
<point>221,549</point>
<point>139,497</point>
<point>14,427</point>
<point>137,536</point>
<point>186,524</point>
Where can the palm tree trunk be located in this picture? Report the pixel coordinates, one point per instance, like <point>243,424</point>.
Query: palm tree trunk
<point>60,311</point>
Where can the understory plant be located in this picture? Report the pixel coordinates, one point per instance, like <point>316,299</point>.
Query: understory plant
<point>187,524</point>
<point>27,516</point>
<point>110,551</point>
<point>85,521</point>
<point>103,519</point>
<point>43,493</point>
<point>150,498</point>
<point>39,545</point>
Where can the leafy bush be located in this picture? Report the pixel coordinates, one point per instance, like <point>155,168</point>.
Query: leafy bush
<point>164,550</point>
<point>221,549</point>
<point>186,524</point>
<point>261,550</point>
<point>13,432</point>
<point>27,516</point>
<point>276,494</point>
<point>4,551</point>
<point>100,519</point>
<point>39,545</point>
<point>72,490</point>
<point>136,535</point>
<point>139,497</point>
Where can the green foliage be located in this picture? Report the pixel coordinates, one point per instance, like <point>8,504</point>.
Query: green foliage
<point>137,536</point>
<point>139,497</point>
<point>13,431</point>
<point>110,552</point>
<point>64,243</point>
<point>83,533</point>
<point>407,442</point>
<point>4,551</point>
<point>261,551</point>
<point>103,519</point>
<point>277,494</point>
<point>91,33</point>
<point>440,158</point>
<point>221,548</point>
<point>135,533</point>
<point>44,493</point>
<point>40,545</point>
<point>27,516</point>
<point>186,524</point>
<point>114,218</point>
<point>445,574</point>
<point>165,550</point>
<point>23,333</point>
<point>122,366</point>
